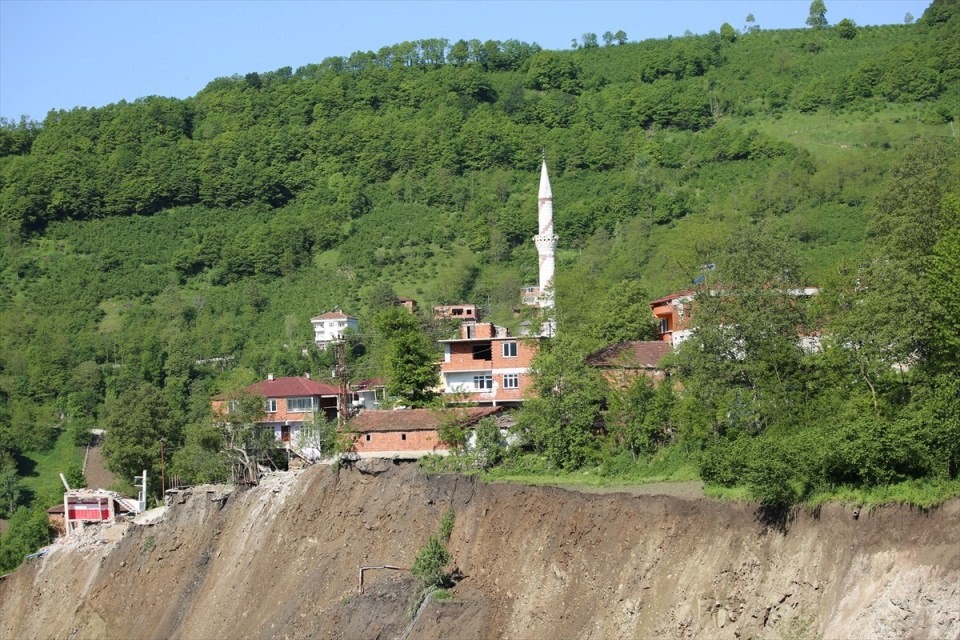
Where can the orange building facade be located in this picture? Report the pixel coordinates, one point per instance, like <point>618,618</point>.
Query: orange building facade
<point>672,314</point>
<point>487,366</point>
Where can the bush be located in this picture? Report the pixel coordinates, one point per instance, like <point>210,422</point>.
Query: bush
<point>429,568</point>
<point>446,524</point>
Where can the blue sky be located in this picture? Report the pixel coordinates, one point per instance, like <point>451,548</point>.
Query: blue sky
<point>68,53</point>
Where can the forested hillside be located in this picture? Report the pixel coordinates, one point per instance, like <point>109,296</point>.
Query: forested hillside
<point>160,251</point>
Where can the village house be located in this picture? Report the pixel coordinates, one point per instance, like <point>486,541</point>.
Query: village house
<point>331,327</point>
<point>289,403</point>
<point>407,303</point>
<point>624,362</point>
<point>456,312</point>
<point>83,507</point>
<point>409,433</point>
<point>486,366</point>
<point>367,394</point>
<point>672,314</point>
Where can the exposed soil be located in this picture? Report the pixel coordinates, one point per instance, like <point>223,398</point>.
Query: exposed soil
<point>95,469</point>
<point>281,561</point>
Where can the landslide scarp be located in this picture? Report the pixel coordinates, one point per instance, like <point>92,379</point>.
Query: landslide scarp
<point>281,561</point>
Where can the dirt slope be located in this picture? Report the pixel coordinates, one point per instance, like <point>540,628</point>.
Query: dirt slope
<point>280,561</point>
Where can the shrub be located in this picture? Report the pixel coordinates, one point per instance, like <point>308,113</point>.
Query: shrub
<point>429,568</point>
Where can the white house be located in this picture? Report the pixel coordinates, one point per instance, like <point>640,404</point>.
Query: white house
<point>331,327</point>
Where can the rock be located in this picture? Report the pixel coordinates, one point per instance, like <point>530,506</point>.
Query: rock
<point>373,466</point>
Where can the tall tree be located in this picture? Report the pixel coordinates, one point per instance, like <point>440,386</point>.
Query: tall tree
<point>563,418</point>
<point>136,423</point>
<point>818,15</point>
<point>409,357</point>
<point>742,363</point>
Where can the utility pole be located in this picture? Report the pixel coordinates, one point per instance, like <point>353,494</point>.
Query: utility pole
<point>163,484</point>
<point>341,372</point>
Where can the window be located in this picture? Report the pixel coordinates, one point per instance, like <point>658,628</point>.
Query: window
<point>366,437</point>
<point>299,405</point>
<point>482,351</point>
<point>233,406</point>
<point>664,325</point>
<point>509,349</point>
<point>403,436</point>
<point>481,383</point>
<point>511,381</point>
<point>270,406</point>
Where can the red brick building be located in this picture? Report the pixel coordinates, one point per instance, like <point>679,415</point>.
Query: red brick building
<point>486,366</point>
<point>408,433</point>
<point>288,404</point>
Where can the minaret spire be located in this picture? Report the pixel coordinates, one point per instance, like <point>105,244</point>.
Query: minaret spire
<point>545,240</point>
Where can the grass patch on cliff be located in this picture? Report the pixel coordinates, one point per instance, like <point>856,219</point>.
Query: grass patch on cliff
<point>918,493</point>
<point>670,464</point>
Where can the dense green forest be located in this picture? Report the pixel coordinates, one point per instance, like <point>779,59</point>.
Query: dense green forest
<point>160,251</point>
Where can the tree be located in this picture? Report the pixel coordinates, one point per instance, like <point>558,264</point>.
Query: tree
<point>28,530</point>
<point>847,29</point>
<point>409,357</point>
<point>727,32</point>
<point>136,422</point>
<point>320,438</point>
<point>622,314</point>
<point>246,445</point>
<point>908,18</point>
<point>620,36</point>
<point>589,41</point>
<point>741,366</point>
<point>818,15</point>
<point>607,38</point>
<point>751,26</point>
<point>563,419</point>
<point>488,447</point>
<point>9,485</point>
<point>638,417</point>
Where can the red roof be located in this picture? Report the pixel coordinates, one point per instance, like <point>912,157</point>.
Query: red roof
<point>634,354</point>
<point>291,388</point>
<point>416,419</point>
<point>333,315</point>
<point>672,296</point>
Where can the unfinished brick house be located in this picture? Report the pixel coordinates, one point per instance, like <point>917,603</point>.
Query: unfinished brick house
<point>408,433</point>
<point>456,312</point>
<point>486,366</point>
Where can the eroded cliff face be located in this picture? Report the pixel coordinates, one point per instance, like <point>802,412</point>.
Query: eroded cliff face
<point>281,560</point>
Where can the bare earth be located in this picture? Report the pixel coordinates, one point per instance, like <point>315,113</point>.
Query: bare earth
<point>96,472</point>
<point>281,561</point>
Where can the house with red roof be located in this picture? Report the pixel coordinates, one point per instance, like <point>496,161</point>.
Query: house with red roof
<point>622,363</point>
<point>409,433</point>
<point>289,402</point>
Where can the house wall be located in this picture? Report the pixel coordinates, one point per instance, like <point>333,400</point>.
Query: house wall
<point>623,378</point>
<point>390,442</point>
<point>677,315</point>
<point>326,403</point>
<point>333,329</point>
<point>458,356</point>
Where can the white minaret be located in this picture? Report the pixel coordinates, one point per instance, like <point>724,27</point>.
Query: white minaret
<point>545,240</point>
